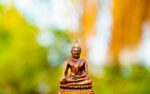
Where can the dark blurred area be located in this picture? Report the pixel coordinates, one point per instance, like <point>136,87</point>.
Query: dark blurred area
<point>36,37</point>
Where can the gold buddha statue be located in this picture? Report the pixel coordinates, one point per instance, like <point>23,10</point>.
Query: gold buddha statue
<point>77,78</point>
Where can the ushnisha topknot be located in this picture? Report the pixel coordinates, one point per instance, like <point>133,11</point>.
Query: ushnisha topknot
<point>76,45</point>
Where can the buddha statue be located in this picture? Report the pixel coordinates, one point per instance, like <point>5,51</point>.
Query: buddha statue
<point>77,78</point>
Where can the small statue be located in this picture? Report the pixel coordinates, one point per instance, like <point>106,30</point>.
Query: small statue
<point>78,72</point>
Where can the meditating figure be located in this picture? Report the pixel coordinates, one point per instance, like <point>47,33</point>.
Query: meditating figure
<point>78,71</point>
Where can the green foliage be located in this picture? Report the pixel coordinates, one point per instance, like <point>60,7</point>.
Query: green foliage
<point>136,81</point>
<point>59,49</point>
<point>25,66</point>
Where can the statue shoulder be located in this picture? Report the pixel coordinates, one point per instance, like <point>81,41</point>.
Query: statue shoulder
<point>67,60</point>
<point>66,63</point>
<point>83,60</point>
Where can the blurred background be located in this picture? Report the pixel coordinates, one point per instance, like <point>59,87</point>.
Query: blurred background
<point>36,37</point>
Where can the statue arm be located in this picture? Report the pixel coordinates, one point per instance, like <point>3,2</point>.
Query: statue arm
<point>66,69</point>
<point>85,70</point>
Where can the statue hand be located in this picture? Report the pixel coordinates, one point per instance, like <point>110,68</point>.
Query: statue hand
<point>77,76</point>
<point>64,77</point>
<point>63,81</point>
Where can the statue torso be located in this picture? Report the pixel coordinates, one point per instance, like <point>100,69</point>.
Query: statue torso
<point>76,67</point>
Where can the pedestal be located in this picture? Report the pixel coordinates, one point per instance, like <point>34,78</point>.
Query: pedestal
<point>76,89</point>
<point>76,92</point>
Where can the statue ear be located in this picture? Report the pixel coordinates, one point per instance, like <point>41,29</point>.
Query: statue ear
<point>71,50</point>
<point>80,50</point>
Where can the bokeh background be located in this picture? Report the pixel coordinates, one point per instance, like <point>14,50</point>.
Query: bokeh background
<point>36,37</point>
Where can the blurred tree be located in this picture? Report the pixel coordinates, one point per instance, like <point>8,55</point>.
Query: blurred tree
<point>128,19</point>
<point>20,56</point>
<point>25,66</point>
<point>87,22</point>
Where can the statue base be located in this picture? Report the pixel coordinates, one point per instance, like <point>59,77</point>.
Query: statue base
<point>76,89</point>
<point>76,92</point>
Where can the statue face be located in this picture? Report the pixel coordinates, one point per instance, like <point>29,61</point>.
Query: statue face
<point>76,52</point>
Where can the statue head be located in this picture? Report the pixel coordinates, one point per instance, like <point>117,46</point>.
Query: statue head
<point>76,50</point>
